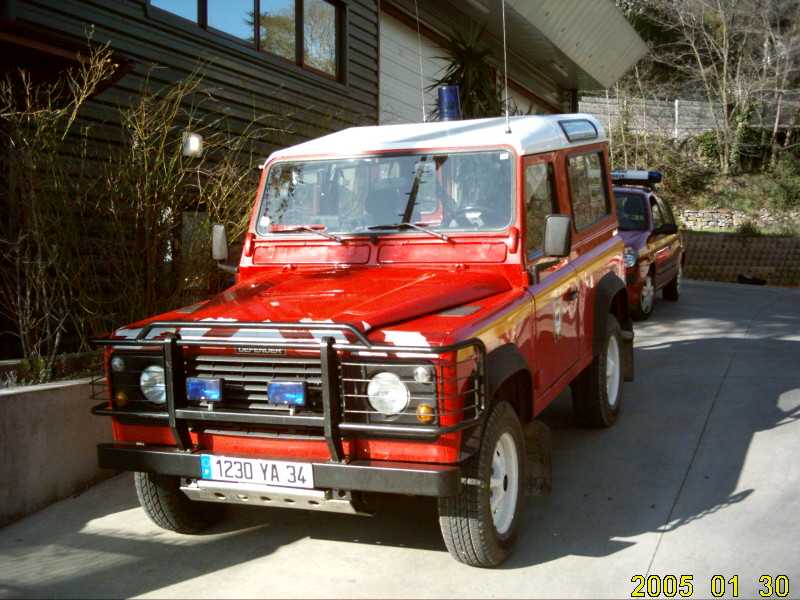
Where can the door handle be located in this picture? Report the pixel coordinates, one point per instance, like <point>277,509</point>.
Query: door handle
<point>571,295</point>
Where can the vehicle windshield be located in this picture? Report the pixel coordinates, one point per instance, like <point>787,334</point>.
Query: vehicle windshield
<point>631,211</point>
<point>438,192</point>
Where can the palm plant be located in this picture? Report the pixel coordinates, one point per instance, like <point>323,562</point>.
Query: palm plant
<point>470,68</point>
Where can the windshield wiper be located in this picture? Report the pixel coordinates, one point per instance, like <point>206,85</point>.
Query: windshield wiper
<point>330,236</point>
<point>406,225</point>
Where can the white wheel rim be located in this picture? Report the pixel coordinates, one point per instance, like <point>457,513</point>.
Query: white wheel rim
<point>648,295</point>
<point>612,370</point>
<point>503,483</point>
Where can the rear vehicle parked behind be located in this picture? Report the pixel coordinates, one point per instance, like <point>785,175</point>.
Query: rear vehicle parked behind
<point>654,251</point>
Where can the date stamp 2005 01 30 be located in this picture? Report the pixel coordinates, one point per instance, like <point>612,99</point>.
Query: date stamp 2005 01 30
<point>683,586</point>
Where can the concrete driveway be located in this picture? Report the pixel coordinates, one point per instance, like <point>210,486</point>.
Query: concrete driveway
<point>698,478</point>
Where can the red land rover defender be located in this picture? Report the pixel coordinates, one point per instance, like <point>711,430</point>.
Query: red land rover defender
<point>408,299</point>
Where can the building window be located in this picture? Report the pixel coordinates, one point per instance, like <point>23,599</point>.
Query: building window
<point>277,28</point>
<point>306,32</point>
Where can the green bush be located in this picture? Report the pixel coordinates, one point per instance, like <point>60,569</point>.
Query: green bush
<point>749,229</point>
<point>684,176</point>
<point>782,185</point>
<point>706,145</point>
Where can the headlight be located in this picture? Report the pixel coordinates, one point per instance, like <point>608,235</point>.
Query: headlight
<point>631,257</point>
<point>387,393</point>
<point>151,382</point>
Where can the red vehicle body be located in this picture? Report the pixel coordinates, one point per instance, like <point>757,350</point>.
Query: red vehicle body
<point>408,298</point>
<point>654,251</point>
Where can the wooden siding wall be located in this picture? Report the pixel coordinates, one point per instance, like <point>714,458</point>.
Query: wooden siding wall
<point>246,83</point>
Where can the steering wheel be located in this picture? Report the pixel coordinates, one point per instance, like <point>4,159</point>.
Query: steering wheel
<point>478,217</point>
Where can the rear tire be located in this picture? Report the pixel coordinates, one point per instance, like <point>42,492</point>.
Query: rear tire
<point>480,524</point>
<point>169,508</point>
<point>597,391</point>
<point>672,291</point>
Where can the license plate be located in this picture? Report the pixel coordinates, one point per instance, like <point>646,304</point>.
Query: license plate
<point>256,470</point>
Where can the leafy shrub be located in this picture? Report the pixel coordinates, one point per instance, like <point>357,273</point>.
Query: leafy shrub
<point>782,186</point>
<point>706,145</point>
<point>749,229</point>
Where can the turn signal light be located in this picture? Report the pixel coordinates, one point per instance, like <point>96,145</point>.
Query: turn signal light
<point>121,398</point>
<point>425,413</point>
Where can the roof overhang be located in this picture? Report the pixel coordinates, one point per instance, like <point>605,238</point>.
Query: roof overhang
<point>582,45</point>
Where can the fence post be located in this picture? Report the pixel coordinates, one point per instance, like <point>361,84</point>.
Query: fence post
<point>677,104</point>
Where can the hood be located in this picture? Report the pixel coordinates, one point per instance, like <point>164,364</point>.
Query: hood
<point>366,297</point>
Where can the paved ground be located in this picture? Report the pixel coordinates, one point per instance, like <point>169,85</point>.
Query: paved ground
<point>698,478</point>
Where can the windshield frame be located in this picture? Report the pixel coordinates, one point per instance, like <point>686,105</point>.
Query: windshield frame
<point>265,229</point>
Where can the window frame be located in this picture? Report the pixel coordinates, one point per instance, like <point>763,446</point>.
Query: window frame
<point>253,48</point>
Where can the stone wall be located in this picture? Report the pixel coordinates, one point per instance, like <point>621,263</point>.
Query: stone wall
<point>726,257</point>
<point>732,219</point>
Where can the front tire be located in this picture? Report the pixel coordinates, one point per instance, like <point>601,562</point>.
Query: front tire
<point>644,308</point>
<point>597,391</point>
<point>169,508</point>
<point>480,524</point>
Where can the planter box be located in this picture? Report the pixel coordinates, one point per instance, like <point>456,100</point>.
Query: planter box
<point>47,440</point>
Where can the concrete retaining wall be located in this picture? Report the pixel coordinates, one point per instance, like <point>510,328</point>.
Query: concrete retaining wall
<point>47,443</point>
<point>724,256</point>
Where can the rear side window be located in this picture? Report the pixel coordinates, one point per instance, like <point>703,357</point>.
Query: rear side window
<point>587,188</point>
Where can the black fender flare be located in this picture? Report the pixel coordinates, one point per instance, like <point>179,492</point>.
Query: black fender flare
<point>607,292</point>
<point>502,363</point>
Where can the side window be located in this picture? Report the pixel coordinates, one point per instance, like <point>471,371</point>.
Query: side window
<point>540,201</point>
<point>666,211</point>
<point>587,188</point>
<point>658,219</point>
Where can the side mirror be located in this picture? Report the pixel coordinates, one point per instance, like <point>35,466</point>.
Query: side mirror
<point>557,242</point>
<point>219,242</point>
<point>666,229</point>
<point>219,247</point>
<point>557,235</point>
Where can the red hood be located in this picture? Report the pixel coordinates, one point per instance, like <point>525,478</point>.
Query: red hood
<point>366,297</point>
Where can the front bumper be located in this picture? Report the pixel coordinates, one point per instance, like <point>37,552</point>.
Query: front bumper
<point>356,475</point>
<point>331,424</point>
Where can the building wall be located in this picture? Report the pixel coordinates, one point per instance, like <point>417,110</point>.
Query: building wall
<point>246,83</point>
<point>401,100</point>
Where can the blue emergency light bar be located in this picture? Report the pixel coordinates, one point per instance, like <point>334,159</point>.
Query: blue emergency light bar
<point>635,177</point>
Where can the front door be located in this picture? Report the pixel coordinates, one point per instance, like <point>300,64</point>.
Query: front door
<point>555,296</point>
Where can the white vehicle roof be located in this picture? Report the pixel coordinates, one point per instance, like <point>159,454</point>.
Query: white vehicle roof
<point>529,135</point>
